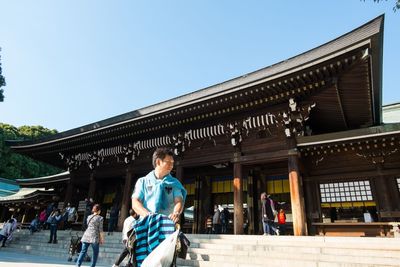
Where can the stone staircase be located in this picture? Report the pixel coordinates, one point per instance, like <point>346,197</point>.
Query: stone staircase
<point>36,244</point>
<point>257,251</point>
<point>241,251</point>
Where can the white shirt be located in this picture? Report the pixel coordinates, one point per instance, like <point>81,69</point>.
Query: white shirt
<point>6,229</point>
<point>128,225</point>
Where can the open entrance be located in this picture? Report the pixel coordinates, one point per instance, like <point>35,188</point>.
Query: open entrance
<point>209,187</point>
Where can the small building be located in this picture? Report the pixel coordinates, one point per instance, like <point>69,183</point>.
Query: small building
<point>33,195</point>
<point>8,187</point>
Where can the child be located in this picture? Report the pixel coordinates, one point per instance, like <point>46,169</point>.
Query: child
<point>282,221</point>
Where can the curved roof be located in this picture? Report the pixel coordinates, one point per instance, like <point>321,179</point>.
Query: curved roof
<point>391,113</point>
<point>8,187</point>
<point>56,178</point>
<point>26,194</point>
<point>369,34</point>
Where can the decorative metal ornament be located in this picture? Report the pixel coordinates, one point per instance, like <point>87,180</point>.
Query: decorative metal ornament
<point>180,142</point>
<point>377,156</point>
<point>293,120</point>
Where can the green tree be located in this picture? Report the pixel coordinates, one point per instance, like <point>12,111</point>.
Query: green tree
<point>2,83</point>
<point>34,132</point>
<point>396,4</point>
<point>13,165</point>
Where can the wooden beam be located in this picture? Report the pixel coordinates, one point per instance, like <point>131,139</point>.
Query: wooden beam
<point>196,206</point>
<point>353,174</point>
<point>263,157</point>
<point>69,191</point>
<point>126,199</point>
<point>296,197</point>
<point>339,99</point>
<point>92,186</point>
<point>250,204</point>
<point>237,199</point>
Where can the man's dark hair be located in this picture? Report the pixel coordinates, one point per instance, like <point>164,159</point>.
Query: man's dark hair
<point>161,153</point>
<point>132,212</point>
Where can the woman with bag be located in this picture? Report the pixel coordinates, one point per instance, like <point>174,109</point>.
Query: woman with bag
<point>93,235</point>
<point>267,215</point>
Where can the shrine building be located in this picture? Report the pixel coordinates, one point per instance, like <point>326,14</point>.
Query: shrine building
<point>307,130</point>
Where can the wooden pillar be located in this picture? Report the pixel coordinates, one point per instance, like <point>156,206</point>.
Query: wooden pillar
<point>311,201</point>
<point>92,186</point>
<point>24,215</point>
<point>237,199</point>
<point>382,191</point>
<point>261,186</point>
<point>196,206</point>
<point>296,195</point>
<point>179,173</point>
<point>206,204</point>
<point>250,204</point>
<point>391,184</point>
<point>69,191</point>
<point>4,210</point>
<point>126,199</point>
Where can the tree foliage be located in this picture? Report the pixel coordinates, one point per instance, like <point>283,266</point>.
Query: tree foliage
<point>2,82</point>
<point>13,165</point>
<point>396,4</point>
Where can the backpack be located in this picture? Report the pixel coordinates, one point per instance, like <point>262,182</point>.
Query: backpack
<point>222,217</point>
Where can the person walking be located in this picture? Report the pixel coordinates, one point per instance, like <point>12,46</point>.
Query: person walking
<point>5,232</point>
<point>159,200</point>
<point>267,215</point>
<point>112,222</point>
<point>216,220</point>
<point>224,220</point>
<point>53,220</point>
<point>93,236</point>
<point>128,225</point>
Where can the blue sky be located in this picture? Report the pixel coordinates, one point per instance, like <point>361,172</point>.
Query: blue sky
<point>71,63</point>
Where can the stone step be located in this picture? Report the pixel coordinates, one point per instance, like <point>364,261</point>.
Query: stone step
<point>314,239</point>
<point>251,242</point>
<point>61,248</point>
<point>260,257</point>
<point>104,258</point>
<point>298,250</point>
<point>274,263</point>
<point>241,251</point>
<point>305,248</point>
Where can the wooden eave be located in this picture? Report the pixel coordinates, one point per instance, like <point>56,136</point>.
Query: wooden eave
<point>301,77</point>
<point>45,180</point>
<point>31,194</point>
<point>384,137</point>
